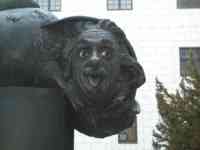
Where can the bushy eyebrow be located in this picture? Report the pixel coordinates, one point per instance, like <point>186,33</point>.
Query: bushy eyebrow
<point>83,42</point>
<point>86,43</point>
<point>107,42</point>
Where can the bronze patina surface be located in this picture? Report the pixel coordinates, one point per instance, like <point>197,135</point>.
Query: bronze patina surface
<point>101,74</point>
<point>13,4</point>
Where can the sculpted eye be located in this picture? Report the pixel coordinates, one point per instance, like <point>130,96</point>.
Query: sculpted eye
<point>105,53</point>
<point>84,53</point>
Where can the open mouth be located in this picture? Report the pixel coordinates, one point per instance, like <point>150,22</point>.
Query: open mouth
<point>94,81</point>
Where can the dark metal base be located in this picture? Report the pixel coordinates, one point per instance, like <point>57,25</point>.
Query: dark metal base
<point>34,119</point>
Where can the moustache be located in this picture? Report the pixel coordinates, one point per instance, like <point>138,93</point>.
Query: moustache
<point>101,72</point>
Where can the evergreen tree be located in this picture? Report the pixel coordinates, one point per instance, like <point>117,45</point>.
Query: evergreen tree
<point>179,124</point>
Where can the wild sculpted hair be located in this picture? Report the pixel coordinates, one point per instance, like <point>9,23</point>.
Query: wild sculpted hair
<point>120,113</point>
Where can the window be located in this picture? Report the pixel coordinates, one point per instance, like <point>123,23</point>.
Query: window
<point>50,5</point>
<point>188,4</point>
<point>128,136</point>
<point>185,57</point>
<point>119,5</point>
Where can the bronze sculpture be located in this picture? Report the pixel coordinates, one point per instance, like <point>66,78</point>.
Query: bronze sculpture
<point>89,60</point>
<point>102,75</point>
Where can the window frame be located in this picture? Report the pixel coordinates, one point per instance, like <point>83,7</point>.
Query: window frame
<point>119,8</point>
<point>182,4</point>
<point>185,56</point>
<point>131,133</point>
<point>50,6</point>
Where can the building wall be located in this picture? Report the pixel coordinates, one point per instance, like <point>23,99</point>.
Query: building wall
<point>156,30</point>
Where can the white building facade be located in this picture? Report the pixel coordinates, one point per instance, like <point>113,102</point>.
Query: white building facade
<point>156,29</point>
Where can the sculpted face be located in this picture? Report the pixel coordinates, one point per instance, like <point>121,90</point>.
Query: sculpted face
<point>101,75</point>
<point>95,63</point>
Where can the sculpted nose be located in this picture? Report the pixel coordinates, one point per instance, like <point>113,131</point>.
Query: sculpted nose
<point>94,56</point>
<point>92,65</point>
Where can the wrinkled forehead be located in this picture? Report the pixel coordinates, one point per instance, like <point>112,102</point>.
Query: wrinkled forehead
<point>97,35</point>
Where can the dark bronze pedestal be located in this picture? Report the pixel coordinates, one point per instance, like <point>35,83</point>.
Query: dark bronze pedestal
<point>34,119</point>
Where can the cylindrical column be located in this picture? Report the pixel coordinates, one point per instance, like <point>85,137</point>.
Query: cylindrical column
<point>34,119</point>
